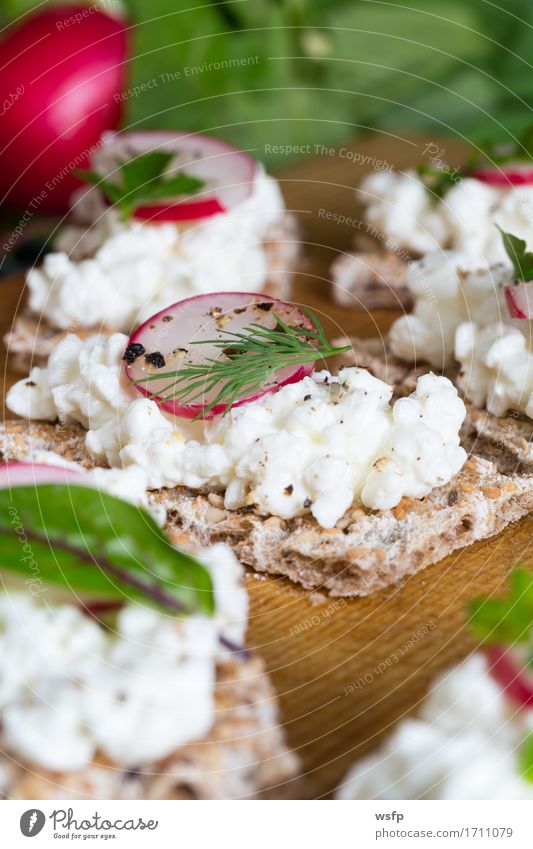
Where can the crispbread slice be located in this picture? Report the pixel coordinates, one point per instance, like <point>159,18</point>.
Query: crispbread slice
<point>32,339</point>
<point>368,550</point>
<point>373,279</point>
<point>365,552</point>
<point>243,755</point>
<point>506,441</point>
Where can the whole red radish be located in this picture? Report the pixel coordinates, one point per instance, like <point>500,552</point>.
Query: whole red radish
<point>62,73</point>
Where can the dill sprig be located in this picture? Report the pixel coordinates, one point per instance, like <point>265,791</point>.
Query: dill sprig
<point>251,358</point>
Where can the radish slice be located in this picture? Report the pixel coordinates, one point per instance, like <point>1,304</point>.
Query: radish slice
<point>180,210</point>
<point>165,339</point>
<point>510,673</point>
<point>519,297</point>
<point>228,172</point>
<point>27,473</point>
<point>508,175</point>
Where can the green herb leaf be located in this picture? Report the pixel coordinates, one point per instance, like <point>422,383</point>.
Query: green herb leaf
<point>505,620</point>
<point>142,181</point>
<point>252,357</point>
<point>94,544</point>
<point>438,178</point>
<point>517,252</point>
<point>525,758</point>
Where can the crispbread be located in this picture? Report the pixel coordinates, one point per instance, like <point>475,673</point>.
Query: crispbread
<point>365,552</point>
<point>243,755</point>
<point>32,339</point>
<point>373,279</point>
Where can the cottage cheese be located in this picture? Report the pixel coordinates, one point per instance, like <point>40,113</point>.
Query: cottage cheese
<point>464,745</point>
<point>405,213</point>
<point>448,290</point>
<point>460,314</point>
<point>316,445</point>
<point>118,274</point>
<point>496,367</point>
<point>70,690</point>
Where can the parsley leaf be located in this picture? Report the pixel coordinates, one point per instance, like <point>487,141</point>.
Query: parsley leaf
<point>142,180</point>
<point>517,252</point>
<point>508,619</point>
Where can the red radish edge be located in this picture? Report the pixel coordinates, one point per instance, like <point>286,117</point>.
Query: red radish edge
<point>180,210</point>
<point>513,680</point>
<point>26,473</point>
<point>185,210</point>
<point>503,177</point>
<point>519,298</point>
<point>191,411</point>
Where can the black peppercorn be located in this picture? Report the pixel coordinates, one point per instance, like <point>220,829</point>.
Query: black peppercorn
<point>156,359</point>
<point>133,351</point>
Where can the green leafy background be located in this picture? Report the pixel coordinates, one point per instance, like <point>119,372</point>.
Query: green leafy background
<point>326,70</point>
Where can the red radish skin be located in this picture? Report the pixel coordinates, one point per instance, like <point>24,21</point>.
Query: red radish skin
<point>508,672</point>
<point>70,75</point>
<point>180,211</point>
<point>505,176</point>
<point>519,298</point>
<point>171,331</point>
<point>27,473</point>
<point>228,172</point>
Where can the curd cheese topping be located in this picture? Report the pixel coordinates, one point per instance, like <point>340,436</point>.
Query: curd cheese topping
<point>496,367</point>
<point>314,446</point>
<point>464,745</point>
<point>460,314</point>
<point>448,290</point>
<point>115,273</point>
<point>400,207</point>
<point>70,689</point>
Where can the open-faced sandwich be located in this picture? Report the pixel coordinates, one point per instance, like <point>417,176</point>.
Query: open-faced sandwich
<point>123,672</point>
<point>473,735</point>
<point>408,214</point>
<point>313,475</point>
<point>165,216</point>
<point>476,327</point>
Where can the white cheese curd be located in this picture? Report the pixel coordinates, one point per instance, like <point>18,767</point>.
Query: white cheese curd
<point>400,209</point>
<point>448,290</point>
<point>460,314</point>
<point>117,274</point>
<point>408,216</point>
<point>316,445</point>
<point>70,689</point>
<point>496,367</point>
<point>464,745</point>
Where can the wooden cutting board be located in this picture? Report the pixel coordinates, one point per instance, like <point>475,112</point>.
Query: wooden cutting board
<point>347,670</point>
